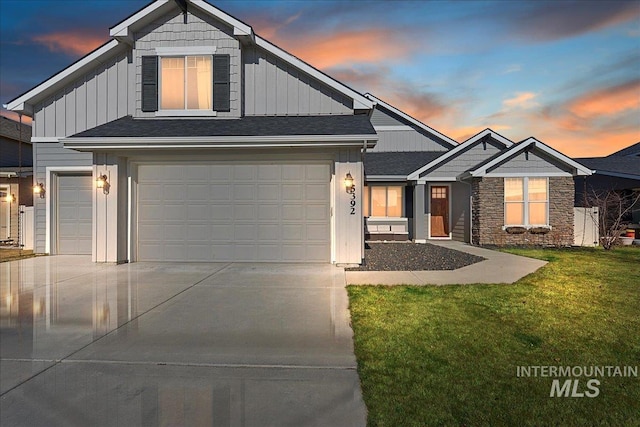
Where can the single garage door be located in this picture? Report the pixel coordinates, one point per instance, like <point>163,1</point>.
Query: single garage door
<point>74,203</point>
<point>234,212</point>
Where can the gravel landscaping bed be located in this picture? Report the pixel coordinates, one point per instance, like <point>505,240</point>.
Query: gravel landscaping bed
<point>412,257</point>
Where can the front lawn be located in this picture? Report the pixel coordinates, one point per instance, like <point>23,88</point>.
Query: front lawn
<point>449,355</point>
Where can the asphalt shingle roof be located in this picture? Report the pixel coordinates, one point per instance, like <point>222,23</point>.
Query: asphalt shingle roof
<point>397,163</point>
<point>632,150</point>
<point>245,126</point>
<point>629,165</point>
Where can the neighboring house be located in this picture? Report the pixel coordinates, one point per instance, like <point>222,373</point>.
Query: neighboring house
<point>16,161</point>
<point>618,172</point>
<point>187,137</point>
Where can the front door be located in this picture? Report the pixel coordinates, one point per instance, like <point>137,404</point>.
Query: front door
<point>440,211</point>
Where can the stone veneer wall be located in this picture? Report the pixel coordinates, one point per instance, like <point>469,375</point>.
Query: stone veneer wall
<point>488,214</point>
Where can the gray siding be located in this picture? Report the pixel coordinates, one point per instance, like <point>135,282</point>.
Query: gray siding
<point>405,140</point>
<point>531,163</point>
<point>47,155</point>
<point>464,161</point>
<point>10,153</point>
<point>273,87</point>
<point>201,30</point>
<point>98,97</point>
<point>460,211</point>
<point>382,118</point>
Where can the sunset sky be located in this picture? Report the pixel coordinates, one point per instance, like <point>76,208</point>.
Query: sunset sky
<point>566,72</point>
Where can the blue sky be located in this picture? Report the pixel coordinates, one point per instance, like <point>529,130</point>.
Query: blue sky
<point>566,72</point>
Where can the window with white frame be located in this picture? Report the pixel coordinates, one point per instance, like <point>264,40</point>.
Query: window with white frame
<point>186,83</point>
<point>383,201</point>
<point>526,201</point>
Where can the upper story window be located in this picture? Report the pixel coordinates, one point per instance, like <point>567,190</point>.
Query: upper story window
<point>526,201</point>
<point>383,200</point>
<point>186,81</point>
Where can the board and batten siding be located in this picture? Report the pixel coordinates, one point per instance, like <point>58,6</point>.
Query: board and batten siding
<point>103,95</point>
<point>273,87</point>
<point>51,155</point>
<point>460,211</point>
<point>464,161</point>
<point>382,118</point>
<point>405,140</point>
<point>530,163</point>
<point>200,30</point>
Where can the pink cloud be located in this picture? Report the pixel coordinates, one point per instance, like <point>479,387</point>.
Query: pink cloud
<point>72,42</point>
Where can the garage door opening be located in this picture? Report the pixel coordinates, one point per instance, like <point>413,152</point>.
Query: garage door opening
<point>73,214</point>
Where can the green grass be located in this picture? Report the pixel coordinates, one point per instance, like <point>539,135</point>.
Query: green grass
<point>448,355</point>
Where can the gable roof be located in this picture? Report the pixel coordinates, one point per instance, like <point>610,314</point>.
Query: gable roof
<point>487,133</point>
<point>632,150</point>
<point>122,37</point>
<point>396,163</point>
<point>624,166</point>
<point>451,142</point>
<point>485,166</point>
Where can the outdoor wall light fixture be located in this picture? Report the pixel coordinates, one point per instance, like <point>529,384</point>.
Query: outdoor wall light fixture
<point>39,189</point>
<point>102,182</point>
<point>348,183</point>
<point>10,198</point>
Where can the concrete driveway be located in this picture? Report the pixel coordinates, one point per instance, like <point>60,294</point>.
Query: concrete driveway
<point>175,344</point>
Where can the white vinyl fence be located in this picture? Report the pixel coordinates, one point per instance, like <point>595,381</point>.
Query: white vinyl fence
<point>26,227</point>
<point>586,227</point>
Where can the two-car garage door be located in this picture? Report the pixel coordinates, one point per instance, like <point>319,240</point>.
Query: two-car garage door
<point>234,212</point>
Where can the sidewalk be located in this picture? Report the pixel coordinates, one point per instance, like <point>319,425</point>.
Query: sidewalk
<point>498,267</point>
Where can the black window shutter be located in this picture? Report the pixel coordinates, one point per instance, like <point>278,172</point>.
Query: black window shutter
<point>149,83</point>
<point>221,83</point>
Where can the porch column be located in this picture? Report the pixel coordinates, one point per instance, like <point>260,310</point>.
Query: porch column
<point>419,232</point>
<point>110,209</point>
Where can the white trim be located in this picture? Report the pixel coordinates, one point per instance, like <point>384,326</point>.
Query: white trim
<point>580,169</point>
<point>49,172</point>
<point>221,142</point>
<point>359,101</point>
<point>186,113</point>
<point>392,128</point>
<point>407,117</point>
<point>185,50</point>
<point>436,179</point>
<point>378,178</point>
<point>468,143</point>
<point>524,173</point>
<point>7,188</point>
<point>122,29</point>
<point>525,204</point>
<point>15,105</point>
<point>45,139</point>
<point>239,27</point>
<point>450,197</point>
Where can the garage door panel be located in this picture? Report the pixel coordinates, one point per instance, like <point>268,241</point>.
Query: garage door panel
<point>74,214</point>
<point>245,212</point>
<point>269,173</point>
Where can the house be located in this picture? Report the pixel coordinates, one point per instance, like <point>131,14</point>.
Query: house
<point>16,161</point>
<point>618,172</point>
<point>189,137</point>
<point>421,185</point>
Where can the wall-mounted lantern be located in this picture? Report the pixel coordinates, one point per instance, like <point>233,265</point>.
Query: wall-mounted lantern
<point>10,198</point>
<point>103,183</point>
<point>39,189</point>
<point>348,183</point>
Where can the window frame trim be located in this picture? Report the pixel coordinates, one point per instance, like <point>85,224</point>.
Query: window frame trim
<point>526,202</point>
<point>367,187</point>
<point>184,52</point>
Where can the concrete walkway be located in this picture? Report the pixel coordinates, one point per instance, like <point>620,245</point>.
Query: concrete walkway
<point>499,267</point>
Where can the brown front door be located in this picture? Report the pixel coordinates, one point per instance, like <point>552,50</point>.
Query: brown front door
<point>440,211</point>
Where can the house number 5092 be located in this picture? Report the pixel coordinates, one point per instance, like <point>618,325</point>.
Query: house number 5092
<point>352,202</point>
